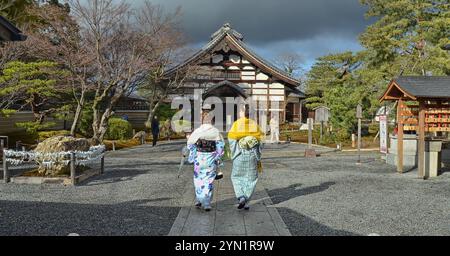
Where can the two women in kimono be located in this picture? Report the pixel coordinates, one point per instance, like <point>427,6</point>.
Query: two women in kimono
<point>207,148</point>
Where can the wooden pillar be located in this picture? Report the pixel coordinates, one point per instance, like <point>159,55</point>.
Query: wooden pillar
<point>72,168</point>
<point>5,166</point>
<point>399,137</point>
<point>102,165</point>
<point>301,112</point>
<point>421,140</point>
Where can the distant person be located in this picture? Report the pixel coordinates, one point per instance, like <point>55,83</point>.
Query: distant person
<point>274,130</point>
<point>155,130</point>
<point>245,138</point>
<point>207,147</point>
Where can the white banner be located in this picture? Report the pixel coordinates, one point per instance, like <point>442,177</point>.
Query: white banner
<point>383,134</point>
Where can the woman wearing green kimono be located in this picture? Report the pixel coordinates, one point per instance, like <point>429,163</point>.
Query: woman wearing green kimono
<point>245,138</point>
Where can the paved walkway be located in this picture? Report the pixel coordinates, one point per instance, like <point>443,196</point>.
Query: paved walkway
<point>225,219</point>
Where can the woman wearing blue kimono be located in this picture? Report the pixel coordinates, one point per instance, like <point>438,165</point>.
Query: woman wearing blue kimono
<point>206,147</point>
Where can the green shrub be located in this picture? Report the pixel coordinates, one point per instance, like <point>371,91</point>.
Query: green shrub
<point>342,135</point>
<point>119,129</point>
<point>328,138</point>
<point>374,128</point>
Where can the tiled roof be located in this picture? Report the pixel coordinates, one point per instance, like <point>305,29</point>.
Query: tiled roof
<point>236,38</point>
<point>425,86</point>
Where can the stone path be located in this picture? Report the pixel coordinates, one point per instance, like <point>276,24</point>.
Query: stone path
<point>225,219</point>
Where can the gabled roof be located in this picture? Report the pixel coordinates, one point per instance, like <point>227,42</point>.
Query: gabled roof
<point>225,85</point>
<point>235,40</point>
<point>9,32</point>
<point>415,87</point>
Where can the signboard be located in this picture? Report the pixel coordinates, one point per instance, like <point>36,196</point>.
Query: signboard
<point>359,114</point>
<point>322,114</point>
<point>383,134</point>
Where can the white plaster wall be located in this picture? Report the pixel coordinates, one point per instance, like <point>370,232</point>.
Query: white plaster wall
<point>233,68</point>
<point>259,97</point>
<point>249,68</point>
<point>260,86</point>
<point>259,91</point>
<point>248,73</point>
<point>277,92</point>
<point>262,76</point>
<point>276,86</point>
<point>276,98</point>
<point>248,78</point>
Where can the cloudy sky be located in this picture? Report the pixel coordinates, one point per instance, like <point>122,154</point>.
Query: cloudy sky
<point>311,28</point>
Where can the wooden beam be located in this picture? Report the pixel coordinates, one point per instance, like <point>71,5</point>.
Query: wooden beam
<point>399,137</point>
<point>421,140</point>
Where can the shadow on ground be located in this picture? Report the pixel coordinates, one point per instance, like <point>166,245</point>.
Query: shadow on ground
<point>280,195</point>
<point>60,219</point>
<point>301,225</point>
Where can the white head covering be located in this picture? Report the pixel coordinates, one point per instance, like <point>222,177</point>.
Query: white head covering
<point>205,132</point>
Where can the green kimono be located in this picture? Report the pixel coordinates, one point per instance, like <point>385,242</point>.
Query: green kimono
<point>245,154</point>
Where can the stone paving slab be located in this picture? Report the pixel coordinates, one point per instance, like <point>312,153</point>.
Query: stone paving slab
<point>225,219</point>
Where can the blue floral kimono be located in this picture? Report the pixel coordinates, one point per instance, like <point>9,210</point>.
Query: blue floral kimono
<point>244,175</point>
<point>205,167</point>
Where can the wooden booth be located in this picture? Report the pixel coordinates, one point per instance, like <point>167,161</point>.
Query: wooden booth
<point>423,113</point>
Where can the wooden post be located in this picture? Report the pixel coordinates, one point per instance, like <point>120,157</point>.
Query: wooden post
<point>72,168</point>
<point>359,140</point>
<point>421,141</point>
<point>321,131</point>
<point>5,167</point>
<point>301,113</point>
<point>359,115</point>
<point>310,131</point>
<point>102,165</point>
<point>399,137</point>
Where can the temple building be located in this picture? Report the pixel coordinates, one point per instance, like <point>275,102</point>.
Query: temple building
<point>227,67</point>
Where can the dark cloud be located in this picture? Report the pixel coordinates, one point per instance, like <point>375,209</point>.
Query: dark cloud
<point>267,21</point>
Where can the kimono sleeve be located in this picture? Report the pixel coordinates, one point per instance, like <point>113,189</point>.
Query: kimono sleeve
<point>192,153</point>
<point>234,148</point>
<point>220,149</point>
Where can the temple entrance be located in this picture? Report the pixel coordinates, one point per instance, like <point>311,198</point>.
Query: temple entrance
<point>224,90</point>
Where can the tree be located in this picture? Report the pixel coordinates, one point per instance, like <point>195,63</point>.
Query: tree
<point>158,85</point>
<point>291,63</point>
<point>407,38</point>
<point>17,10</point>
<point>71,50</point>
<point>123,49</point>
<point>35,85</point>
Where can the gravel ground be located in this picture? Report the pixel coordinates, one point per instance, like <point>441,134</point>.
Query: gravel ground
<point>331,195</point>
<point>138,195</point>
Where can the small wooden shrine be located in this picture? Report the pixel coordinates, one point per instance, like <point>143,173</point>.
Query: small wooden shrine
<point>423,108</point>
